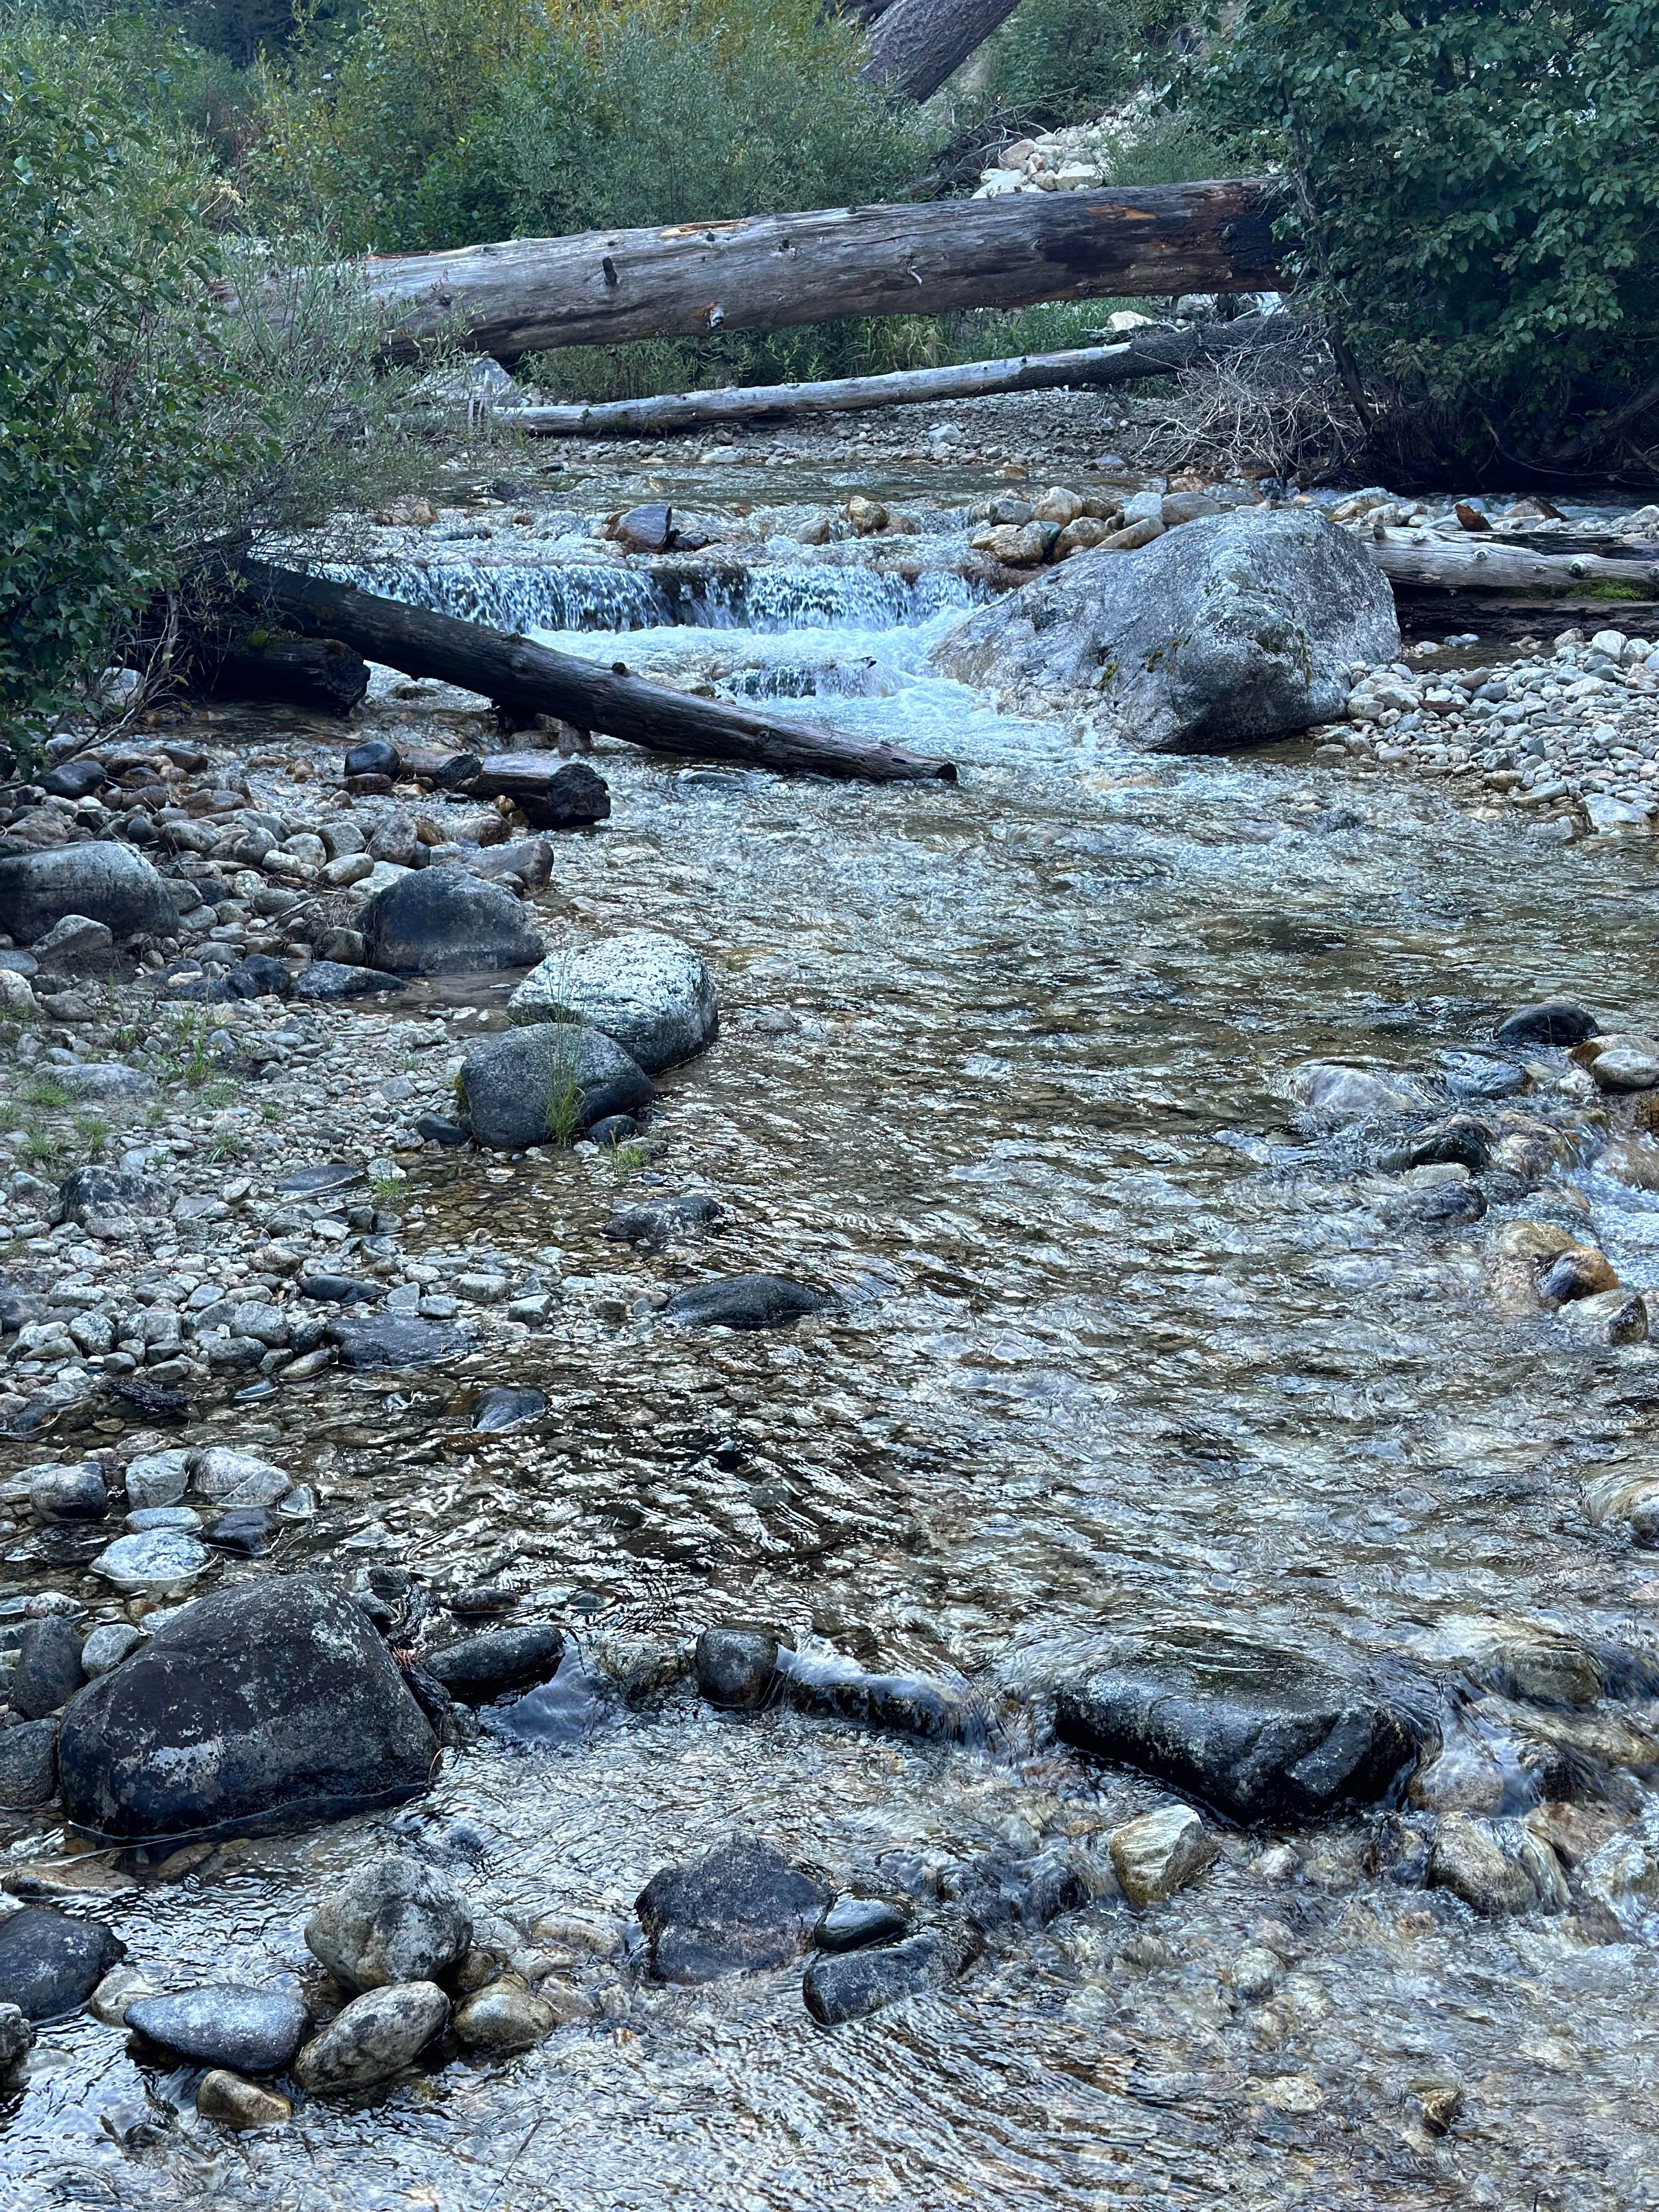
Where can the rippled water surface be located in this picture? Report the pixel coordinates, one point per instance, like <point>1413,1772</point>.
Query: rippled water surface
<point>1007,1065</point>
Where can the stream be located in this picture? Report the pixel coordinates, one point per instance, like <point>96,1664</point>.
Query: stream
<point>1121,1348</point>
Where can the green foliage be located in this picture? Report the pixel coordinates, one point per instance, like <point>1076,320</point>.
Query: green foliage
<point>439,122</point>
<point>1474,205</point>
<point>1065,61</point>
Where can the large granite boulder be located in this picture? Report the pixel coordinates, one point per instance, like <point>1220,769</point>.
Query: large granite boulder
<point>447,922</point>
<point>267,1702</point>
<point>648,990</point>
<point>103,880</point>
<point>1230,630</point>
<point>1259,1733</point>
<point>544,1085</point>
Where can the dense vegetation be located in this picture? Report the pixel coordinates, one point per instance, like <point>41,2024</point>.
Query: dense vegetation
<point>1475,210</point>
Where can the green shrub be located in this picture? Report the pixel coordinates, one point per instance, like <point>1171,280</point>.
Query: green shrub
<point>1473,206</point>
<point>1064,61</point>
<point>440,122</point>
<point>143,421</point>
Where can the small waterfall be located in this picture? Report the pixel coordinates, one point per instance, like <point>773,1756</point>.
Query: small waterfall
<point>594,597</point>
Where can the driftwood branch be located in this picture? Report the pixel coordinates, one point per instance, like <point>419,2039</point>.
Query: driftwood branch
<point>770,272</point>
<point>1440,566</point>
<point>526,679</point>
<point>1152,353</point>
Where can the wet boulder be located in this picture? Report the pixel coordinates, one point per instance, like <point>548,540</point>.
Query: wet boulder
<point>737,1667</point>
<point>106,882</point>
<point>508,1406</point>
<point>48,1670</point>
<point>377,2035</point>
<point>907,1704</point>
<point>49,1964</point>
<point>660,1222</point>
<point>1232,630</point>
<point>739,1909</point>
<point>1259,1733</point>
<point>650,992</point>
<point>447,922</point>
<point>546,1085</point>
<point>854,1923</point>
<point>849,1985</point>
<point>391,1340</point>
<point>1335,1095</point>
<point>400,1919</point>
<point>267,1702</point>
<point>744,1301</point>
<point>327,982</point>
<point>1006,1889</point>
<point>549,793</point>
<point>255,2030</point>
<point>1160,1853</point>
<point>29,1764</point>
<point>499,1660</point>
<point>1550,1022</point>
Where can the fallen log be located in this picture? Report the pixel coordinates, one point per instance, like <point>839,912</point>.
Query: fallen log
<point>915,44</point>
<point>770,272</point>
<point>321,673</point>
<point>529,679</point>
<point>1156,353</point>
<point>1420,567</point>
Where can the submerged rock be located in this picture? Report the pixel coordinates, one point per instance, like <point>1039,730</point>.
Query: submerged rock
<point>397,1920</point>
<point>650,992</point>
<point>1160,1853</point>
<point>502,1659</point>
<point>508,1407</point>
<point>546,1085</point>
<point>49,1964</point>
<point>744,1301</point>
<point>658,1222</point>
<point>1259,1733</point>
<point>396,1340</point>
<point>503,2017</point>
<point>737,1666</point>
<point>267,1702</point>
<point>853,1923</point>
<point>1232,630</point>
<point>256,2030</point>
<point>374,2037</point>
<point>235,2103</point>
<point>738,1910</point>
<point>1550,1022</point>
<point>849,1985</point>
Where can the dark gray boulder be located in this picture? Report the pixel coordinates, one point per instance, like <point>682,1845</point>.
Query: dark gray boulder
<point>744,1301</point>
<point>848,1985</point>
<point>29,1764</point>
<point>1552,1021</point>
<point>255,2030</point>
<point>48,1670</point>
<point>907,1704</point>
<point>737,1667</point>
<point>89,1193</point>
<point>1258,1733</point>
<point>500,1659</point>
<point>341,1290</point>
<point>106,881</point>
<point>508,1406</point>
<point>545,1085</point>
<point>854,1923</point>
<point>396,1340</point>
<point>328,981</point>
<point>1002,1889</point>
<point>1230,630</point>
<point>257,976</point>
<point>739,1909</point>
<point>49,1964</point>
<point>448,921</point>
<point>268,1702</point>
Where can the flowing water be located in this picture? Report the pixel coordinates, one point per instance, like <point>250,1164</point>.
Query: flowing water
<point>1007,1065</point>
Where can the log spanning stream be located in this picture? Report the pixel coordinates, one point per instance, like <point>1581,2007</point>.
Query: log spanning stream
<point>1009,1066</point>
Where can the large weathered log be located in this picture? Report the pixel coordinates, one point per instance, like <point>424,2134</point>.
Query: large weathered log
<point>1441,567</point>
<point>1153,353</point>
<point>915,44</point>
<point>529,679</point>
<point>768,272</point>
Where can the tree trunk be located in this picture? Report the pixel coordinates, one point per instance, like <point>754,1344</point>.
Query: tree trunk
<point>770,272</point>
<point>1441,568</point>
<point>1154,353</point>
<point>529,679</point>
<point>320,672</point>
<point>915,44</point>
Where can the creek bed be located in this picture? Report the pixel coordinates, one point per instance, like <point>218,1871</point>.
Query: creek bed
<point>1007,1066</point>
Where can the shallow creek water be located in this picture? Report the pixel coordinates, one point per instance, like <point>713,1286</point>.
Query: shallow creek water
<point>1007,1065</point>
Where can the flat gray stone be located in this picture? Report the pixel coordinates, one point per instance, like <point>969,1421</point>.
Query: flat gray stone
<point>650,992</point>
<point>255,2030</point>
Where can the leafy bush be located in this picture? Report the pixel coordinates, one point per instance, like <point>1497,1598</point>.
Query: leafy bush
<point>439,122</point>
<point>1063,61</point>
<point>1473,206</point>
<point>143,421</point>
